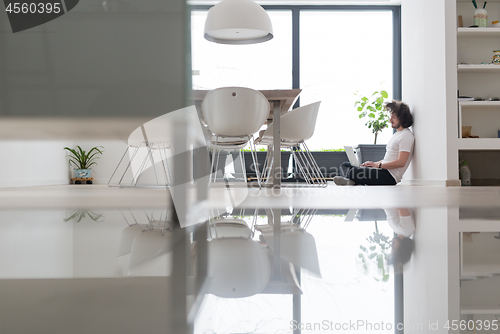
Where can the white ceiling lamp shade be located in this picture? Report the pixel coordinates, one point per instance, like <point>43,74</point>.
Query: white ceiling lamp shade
<point>238,22</point>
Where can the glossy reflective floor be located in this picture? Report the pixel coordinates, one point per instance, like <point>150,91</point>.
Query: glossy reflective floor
<point>93,259</point>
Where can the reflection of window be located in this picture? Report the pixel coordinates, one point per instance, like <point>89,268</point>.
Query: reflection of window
<point>260,66</point>
<point>342,52</point>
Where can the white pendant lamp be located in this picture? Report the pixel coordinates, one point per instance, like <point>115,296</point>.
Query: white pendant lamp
<point>238,22</point>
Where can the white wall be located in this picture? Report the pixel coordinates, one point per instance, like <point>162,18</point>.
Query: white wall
<point>33,163</point>
<point>429,87</point>
<point>36,163</point>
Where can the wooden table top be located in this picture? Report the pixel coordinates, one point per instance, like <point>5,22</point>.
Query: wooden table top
<point>286,97</point>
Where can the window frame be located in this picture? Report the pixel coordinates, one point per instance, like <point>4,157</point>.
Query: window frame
<point>296,9</point>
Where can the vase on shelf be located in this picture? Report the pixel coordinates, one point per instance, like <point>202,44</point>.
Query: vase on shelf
<point>480,17</point>
<point>496,57</point>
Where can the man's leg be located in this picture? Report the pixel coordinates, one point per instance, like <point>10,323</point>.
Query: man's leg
<point>370,176</point>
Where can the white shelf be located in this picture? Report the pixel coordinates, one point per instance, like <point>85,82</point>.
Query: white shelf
<point>479,143</point>
<point>487,309</point>
<point>484,104</point>
<point>478,68</point>
<point>479,32</point>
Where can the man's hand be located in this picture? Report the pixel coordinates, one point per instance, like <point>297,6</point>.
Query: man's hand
<point>369,164</point>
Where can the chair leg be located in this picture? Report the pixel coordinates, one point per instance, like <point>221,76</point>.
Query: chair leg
<point>265,169</point>
<point>320,176</point>
<point>129,164</point>
<point>119,163</point>
<point>308,166</point>
<point>164,161</point>
<point>254,158</point>
<point>299,161</point>
<point>243,166</point>
<point>151,158</point>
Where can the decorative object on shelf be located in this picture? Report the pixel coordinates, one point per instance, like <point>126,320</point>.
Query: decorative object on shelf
<point>464,172</point>
<point>495,24</point>
<point>83,160</point>
<point>238,22</point>
<point>466,131</point>
<point>498,133</point>
<point>496,57</point>
<point>460,21</point>
<point>373,108</point>
<point>494,98</point>
<point>480,15</point>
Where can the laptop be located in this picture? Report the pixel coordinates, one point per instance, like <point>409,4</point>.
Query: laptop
<point>353,160</point>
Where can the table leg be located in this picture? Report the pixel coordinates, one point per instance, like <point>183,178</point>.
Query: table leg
<point>276,145</point>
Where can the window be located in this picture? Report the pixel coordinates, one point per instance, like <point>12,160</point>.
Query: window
<point>342,52</point>
<point>258,66</point>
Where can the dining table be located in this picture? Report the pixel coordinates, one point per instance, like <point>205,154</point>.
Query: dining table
<point>280,102</point>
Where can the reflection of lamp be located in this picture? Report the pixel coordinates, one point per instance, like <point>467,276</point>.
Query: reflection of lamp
<point>238,22</point>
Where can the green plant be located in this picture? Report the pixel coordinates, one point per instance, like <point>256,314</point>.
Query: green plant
<point>374,258</point>
<point>332,150</point>
<point>82,159</point>
<point>373,108</point>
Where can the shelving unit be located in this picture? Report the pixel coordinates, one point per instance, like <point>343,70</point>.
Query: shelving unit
<point>478,77</point>
<point>479,32</point>
<point>491,309</point>
<point>478,68</point>
<point>480,272</point>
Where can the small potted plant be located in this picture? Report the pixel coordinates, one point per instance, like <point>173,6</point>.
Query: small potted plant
<point>82,160</point>
<point>378,119</point>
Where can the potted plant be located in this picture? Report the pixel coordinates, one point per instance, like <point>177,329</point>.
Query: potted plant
<point>82,160</point>
<point>378,119</point>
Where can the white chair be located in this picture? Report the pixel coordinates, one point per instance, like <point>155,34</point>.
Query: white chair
<point>233,115</point>
<point>150,148</point>
<point>297,126</point>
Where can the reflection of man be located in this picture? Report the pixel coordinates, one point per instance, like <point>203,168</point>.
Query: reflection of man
<point>402,223</point>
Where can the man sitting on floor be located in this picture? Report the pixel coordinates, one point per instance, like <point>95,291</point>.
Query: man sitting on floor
<point>399,151</point>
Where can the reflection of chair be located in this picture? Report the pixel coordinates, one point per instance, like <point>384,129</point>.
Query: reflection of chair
<point>144,241</point>
<point>233,115</point>
<point>296,127</point>
<point>297,246</point>
<point>238,265</point>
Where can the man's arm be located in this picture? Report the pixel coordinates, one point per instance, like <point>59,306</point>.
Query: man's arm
<point>399,162</point>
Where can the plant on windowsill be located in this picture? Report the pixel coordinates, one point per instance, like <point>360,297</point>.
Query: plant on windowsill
<point>378,119</point>
<point>82,160</point>
<point>373,108</point>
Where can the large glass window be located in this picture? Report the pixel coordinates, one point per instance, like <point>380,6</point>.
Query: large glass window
<point>259,66</point>
<point>342,52</point>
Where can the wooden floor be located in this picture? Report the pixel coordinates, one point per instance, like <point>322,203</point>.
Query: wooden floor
<point>102,196</point>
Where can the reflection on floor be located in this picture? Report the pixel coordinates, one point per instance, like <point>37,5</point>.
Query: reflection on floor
<point>281,267</point>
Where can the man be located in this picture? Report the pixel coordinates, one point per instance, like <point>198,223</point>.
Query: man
<point>399,151</point>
